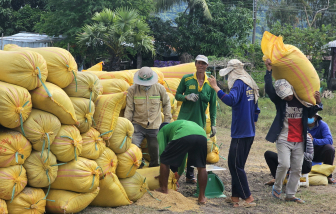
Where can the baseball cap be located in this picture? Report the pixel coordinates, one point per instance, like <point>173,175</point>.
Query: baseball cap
<point>202,58</point>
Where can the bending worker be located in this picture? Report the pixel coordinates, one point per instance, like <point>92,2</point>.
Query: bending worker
<point>176,140</point>
<point>195,92</point>
<point>143,109</point>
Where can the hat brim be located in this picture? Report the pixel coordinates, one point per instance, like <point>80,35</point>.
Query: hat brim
<point>152,81</point>
<point>225,71</point>
<point>203,60</point>
<point>318,116</point>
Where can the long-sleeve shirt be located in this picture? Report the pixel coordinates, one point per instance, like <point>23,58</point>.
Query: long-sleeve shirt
<point>321,134</point>
<point>195,111</point>
<point>144,107</point>
<point>245,110</point>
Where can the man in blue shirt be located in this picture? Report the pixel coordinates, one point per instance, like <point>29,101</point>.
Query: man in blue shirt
<point>243,98</point>
<point>324,150</point>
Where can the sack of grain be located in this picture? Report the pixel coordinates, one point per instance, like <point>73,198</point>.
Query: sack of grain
<point>178,71</point>
<point>23,68</point>
<point>173,103</point>
<point>41,168</point>
<point>212,143</point>
<point>108,161</point>
<point>62,67</point>
<point>29,201</point>
<point>67,144</point>
<point>129,162</point>
<point>289,63</point>
<point>87,85</point>
<point>135,186</point>
<point>41,129</point>
<point>96,67</point>
<point>13,181</point>
<point>93,146</point>
<point>3,207</point>
<point>14,148</point>
<point>171,84</point>
<point>112,86</point>
<point>316,179</point>
<point>62,201</point>
<point>124,75</point>
<point>107,113</point>
<point>54,101</point>
<point>78,176</point>
<point>84,110</point>
<point>145,154</point>
<point>153,183</point>
<point>15,105</point>
<point>213,156</point>
<point>121,138</point>
<point>111,194</point>
<point>176,112</point>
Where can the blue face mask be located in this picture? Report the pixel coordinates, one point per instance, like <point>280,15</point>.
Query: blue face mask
<point>146,88</point>
<point>311,120</point>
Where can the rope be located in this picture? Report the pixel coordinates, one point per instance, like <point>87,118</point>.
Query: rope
<point>122,144</point>
<point>13,191</point>
<point>94,176</point>
<point>74,145</point>
<point>94,122</point>
<point>21,120</point>
<point>105,133</point>
<point>16,156</point>
<point>150,192</point>
<point>74,76</point>
<point>129,170</point>
<point>44,86</point>
<point>48,147</point>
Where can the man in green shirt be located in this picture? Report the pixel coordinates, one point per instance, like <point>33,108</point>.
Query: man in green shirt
<point>177,140</point>
<point>195,92</point>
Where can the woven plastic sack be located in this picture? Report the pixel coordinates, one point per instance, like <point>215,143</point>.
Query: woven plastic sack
<point>112,86</point>
<point>108,161</point>
<point>78,176</point>
<point>289,63</point>
<point>23,68</point>
<point>324,169</point>
<point>63,201</point>
<point>124,75</point>
<point>129,162</point>
<point>153,183</point>
<point>173,103</point>
<point>14,148</point>
<point>213,156</point>
<point>107,112</point>
<point>41,168</point>
<point>62,67</point>
<point>40,129</point>
<point>15,105</point>
<point>135,186</point>
<point>96,67</point>
<point>111,194</point>
<point>13,181</point>
<point>121,138</point>
<point>87,85</point>
<point>3,207</point>
<point>67,144</point>
<point>171,84</point>
<point>54,101</point>
<point>84,110</point>
<point>212,143</point>
<point>176,112</point>
<point>29,201</point>
<point>316,179</point>
<point>178,71</point>
<point>93,145</point>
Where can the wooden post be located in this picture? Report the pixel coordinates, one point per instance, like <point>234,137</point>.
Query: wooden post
<point>68,46</point>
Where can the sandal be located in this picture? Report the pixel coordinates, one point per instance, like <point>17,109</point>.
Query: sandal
<point>331,181</point>
<point>229,201</point>
<point>191,180</point>
<point>202,203</point>
<point>278,193</point>
<point>270,183</point>
<point>244,204</point>
<point>294,199</point>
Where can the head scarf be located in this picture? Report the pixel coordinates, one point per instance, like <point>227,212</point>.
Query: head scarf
<point>282,88</point>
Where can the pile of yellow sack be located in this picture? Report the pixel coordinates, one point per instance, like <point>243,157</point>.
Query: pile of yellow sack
<point>318,175</point>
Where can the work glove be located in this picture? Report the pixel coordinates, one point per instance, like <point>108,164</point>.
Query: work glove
<point>192,97</point>
<point>213,131</point>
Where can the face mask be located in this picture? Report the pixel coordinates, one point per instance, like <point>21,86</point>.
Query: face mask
<point>311,120</point>
<point>146,88</point>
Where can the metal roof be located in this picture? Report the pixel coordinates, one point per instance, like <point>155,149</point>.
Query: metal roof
<point>332,44</point>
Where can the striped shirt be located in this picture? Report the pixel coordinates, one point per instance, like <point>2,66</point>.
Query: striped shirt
<point>309,153</point>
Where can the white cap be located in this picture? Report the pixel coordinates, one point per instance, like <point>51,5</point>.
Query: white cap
<point>202,58</point>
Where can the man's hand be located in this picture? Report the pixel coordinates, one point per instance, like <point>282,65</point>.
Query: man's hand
<point>192,97</point>
<point>311,136</point>
<point>317,97</point>
<point>213,131</point>
<point>213,82</point>
<point>268,64</point>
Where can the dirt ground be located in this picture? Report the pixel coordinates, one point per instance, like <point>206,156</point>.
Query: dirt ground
<point>319,199</point>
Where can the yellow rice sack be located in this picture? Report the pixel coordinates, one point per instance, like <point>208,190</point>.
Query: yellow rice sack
<point>69,202</point>
<point>93,145</point>
<point>107,112</point>
<point>41,170</point>
<point>108,161</point>
<point>67,144</point>
<point>87,85</point>
<point>3,207</point>
<point>40,129</point>
<point>111,194</point>
<point>124,75</point>
<point>112,86</point>
<point>122,134</point>
<point>62,67</point>
<point>84,110</point>
<point>78,176</point>
<point>96,67</point>
<point>129,162</point>
<point>176,112</point>
<point>324,169</point>
<point>289,63</point>
<point>15,105</point>
<point>316,179</point>
<point>173,102</point>
<point>23,68</point>
<point>178,71</point>
<point>13,180</point>
<point>54,101</point>
<point>153,183</point>
<point>171,84</point>
<point>29,201</point>
<point>213,156</point>
<point>135,186</point>
<point>14,148</point>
